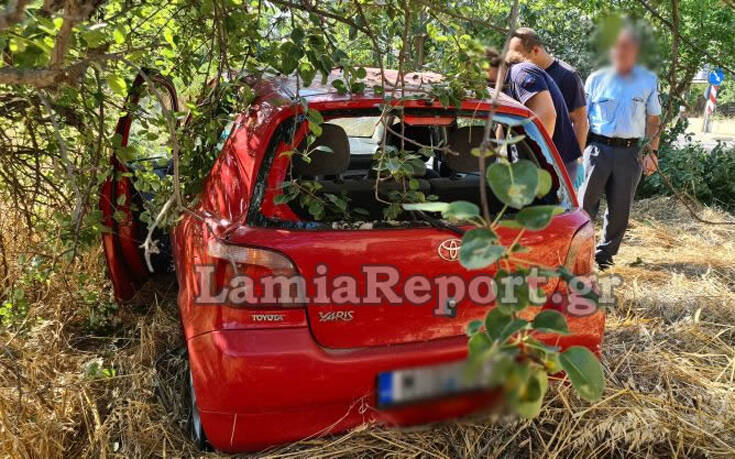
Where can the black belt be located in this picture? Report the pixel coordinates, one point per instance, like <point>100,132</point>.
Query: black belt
<point>613,141</point>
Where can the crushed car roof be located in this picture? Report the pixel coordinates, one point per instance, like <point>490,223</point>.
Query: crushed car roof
<point>413,83</point>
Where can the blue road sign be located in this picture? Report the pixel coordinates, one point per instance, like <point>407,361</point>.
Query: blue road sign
<point>716,77</point>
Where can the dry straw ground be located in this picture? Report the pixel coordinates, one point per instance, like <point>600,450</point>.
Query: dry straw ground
<point>669,356</point>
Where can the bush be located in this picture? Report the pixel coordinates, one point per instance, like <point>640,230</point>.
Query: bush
<point>708,176</point>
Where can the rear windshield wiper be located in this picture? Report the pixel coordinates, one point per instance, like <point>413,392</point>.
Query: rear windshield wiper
<point>440,224</point>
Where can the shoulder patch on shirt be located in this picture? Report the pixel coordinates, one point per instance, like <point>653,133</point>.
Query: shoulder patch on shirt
<point>528,82</point>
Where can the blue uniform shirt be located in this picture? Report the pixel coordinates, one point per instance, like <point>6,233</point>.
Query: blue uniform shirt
<point>525,80</point>
<point>617,105</point>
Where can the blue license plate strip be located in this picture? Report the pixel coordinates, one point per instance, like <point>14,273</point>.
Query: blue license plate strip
<point>423,383</point>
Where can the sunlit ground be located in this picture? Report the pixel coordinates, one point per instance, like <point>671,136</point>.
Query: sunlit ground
<point>669,355</point>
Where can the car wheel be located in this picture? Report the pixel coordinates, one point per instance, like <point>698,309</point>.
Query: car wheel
<point>195,421</point>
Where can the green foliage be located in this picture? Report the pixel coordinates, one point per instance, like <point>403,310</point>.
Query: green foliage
<point>400,167</point>
<point>692,169</point>
<point>550,321</point>
<point>14,308</point>
<point>321,206</point>
<point>514,184</point>
<point>480,248</point>
<point>95,369</point>
<point>519,362</point>
<point>537,218</point>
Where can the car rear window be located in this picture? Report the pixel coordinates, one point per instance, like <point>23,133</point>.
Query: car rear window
<point>360,170</point>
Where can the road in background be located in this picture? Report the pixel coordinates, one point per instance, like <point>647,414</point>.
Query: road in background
<point>723,130</point>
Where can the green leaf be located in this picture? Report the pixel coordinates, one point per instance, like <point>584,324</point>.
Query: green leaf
<point>473,327</point>
<point>297,35</point>
<point>514,184</point>
<point>120,216</point>
<point>290,55</point>
<point>550,321</point>
<point>339,85</point>
<point>315,115</point>
<point>316,209</point>
<point>536,218</point>
<point>584,371</point>
<point>324,148</point>
<point>94,37</point>
<point>479,249</point>
<point>512,296</point>
<point>501,326</point>
<point>283,198</point>
<point>508,140</point>
<point>307,72</point>
<point>478,344</point>
<point>461,210</point>
<point>427,206</point>
<point>482,152</point>
<point>544,183</point>
<point>315,128</point>
<point>119,35</point>
<point>168,35</point>
<point>510,224</point>
<point>529,406</point>
<point>117,84</point>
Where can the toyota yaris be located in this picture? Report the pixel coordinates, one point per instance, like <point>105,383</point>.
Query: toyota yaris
<point>304,319</point>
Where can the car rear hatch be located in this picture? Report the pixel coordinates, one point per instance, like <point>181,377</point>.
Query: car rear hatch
<point>378,285</point>
<point>392,286</point>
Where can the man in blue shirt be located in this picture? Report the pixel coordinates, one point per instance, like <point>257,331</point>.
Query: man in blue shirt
<point>623,108</point>
<point>534,88</point>
<point>526,45</point>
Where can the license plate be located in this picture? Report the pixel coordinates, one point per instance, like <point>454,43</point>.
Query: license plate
<point>422,383</point>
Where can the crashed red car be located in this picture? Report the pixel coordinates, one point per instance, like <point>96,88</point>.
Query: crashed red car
<point>265,373</point>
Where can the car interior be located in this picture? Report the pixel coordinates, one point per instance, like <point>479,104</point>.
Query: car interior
<point>347,167</point>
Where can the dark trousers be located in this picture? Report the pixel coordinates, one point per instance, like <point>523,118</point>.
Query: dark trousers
<point>614,171</point>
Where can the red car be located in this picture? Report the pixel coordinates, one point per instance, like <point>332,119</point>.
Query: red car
<point>265,371</point>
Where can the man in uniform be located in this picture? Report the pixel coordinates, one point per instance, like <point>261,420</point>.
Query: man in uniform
<point>624,109</point>
<point>525,45</point>
<point>534,88</point>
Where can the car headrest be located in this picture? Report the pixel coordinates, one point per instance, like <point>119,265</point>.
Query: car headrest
<point>322,162</point>
<point>462,141</point>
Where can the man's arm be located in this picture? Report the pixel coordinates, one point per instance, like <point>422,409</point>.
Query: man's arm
<point>652,130</point>
<point>653,133</point>
<point>542,105</point>
<point>578,114</point>
<point>581,125</point>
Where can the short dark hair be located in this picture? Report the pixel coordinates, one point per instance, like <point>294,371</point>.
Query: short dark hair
<point>529,38</point>
<point>493,57</point>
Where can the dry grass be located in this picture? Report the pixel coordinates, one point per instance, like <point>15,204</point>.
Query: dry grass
<point>669,356</point>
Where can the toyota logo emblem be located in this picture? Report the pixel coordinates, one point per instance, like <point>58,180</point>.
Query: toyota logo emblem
<point>449,250</point>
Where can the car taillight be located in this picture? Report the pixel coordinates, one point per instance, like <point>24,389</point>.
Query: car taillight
<point>254,277</point>
<point>581,255</point>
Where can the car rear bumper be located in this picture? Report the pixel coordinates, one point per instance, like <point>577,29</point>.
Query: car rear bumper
<point>259,388</point>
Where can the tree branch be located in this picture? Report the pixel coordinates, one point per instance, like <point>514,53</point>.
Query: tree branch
<point>42,78</point>
<point>13,14</point>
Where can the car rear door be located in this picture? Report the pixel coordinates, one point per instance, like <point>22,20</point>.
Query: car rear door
<point>348,317</point>
<point>136,143</point>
